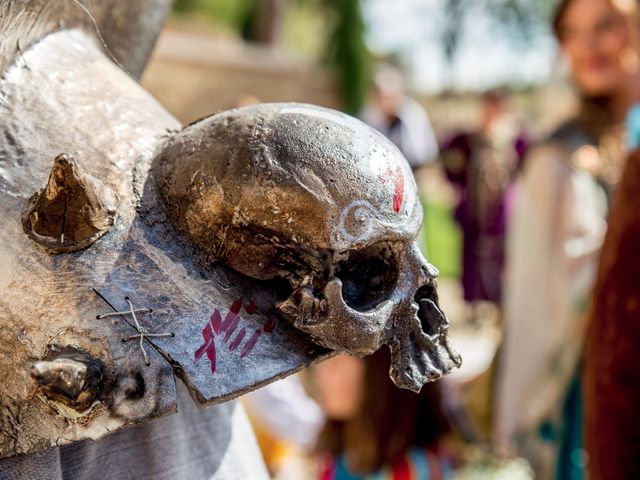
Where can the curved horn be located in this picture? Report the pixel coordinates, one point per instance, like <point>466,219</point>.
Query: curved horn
<point>73,379</point>
<point>72,211</point>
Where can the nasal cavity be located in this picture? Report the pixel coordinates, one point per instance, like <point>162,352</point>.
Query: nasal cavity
<point>432,320</point>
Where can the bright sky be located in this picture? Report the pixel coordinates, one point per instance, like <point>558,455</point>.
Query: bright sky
<point>484,59</point>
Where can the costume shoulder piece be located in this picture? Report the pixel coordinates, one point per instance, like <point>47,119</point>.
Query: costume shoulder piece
<point>229,253</point>
<point>128,29</point>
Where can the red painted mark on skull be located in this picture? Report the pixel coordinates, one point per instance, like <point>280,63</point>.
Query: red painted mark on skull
<point>398,194</point>
<point>216,327</point>
<point>395,176</point>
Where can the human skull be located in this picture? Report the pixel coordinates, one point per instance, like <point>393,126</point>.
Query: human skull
<point>327,209</point>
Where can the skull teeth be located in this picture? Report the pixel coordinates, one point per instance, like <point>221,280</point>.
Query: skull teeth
<point>302,306</point>
<point>420,348</point>
<point>454,355</point>
<point>412,367</point>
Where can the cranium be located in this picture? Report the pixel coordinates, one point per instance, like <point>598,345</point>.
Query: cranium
<point>327,209</point>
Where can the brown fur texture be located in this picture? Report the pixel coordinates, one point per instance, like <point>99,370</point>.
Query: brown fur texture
<point>612,357</point>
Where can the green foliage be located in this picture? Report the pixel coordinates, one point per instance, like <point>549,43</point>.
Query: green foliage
<point>232,14</point>
<point>348,53</point>
<point>343,45</point>
<point>307,28</point>
<point>443,238</point>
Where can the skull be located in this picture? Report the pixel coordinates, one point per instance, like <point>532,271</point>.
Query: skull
<point>327,209</point>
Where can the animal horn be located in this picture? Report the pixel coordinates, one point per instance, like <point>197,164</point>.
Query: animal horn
<point>73,379</point>
<point>72,211</point>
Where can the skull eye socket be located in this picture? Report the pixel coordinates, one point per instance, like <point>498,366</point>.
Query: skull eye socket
<point>368,276</point>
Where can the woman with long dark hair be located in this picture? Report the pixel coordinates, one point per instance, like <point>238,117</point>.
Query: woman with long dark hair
<point>558,224</point>
<point>375,430</point>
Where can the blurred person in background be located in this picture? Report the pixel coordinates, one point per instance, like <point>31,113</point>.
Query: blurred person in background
<point>403,121</point>
<point>375,430</point>
<point>285,419</point>
<point>480,165</point>
<point>400,118</point>
<point>557,229</point>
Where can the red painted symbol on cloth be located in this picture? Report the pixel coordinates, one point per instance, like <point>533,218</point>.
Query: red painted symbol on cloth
<point>224,329</point>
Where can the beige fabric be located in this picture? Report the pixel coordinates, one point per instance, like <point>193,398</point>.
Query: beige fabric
<point>557,228</point>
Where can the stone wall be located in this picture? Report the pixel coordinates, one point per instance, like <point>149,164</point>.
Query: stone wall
<point>194,75</point>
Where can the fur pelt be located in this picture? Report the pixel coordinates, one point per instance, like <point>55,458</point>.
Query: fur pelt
<point>126,29</point>
<point>612,355</point>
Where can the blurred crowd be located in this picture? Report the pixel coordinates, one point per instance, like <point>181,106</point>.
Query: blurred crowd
<point>533,213</point>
